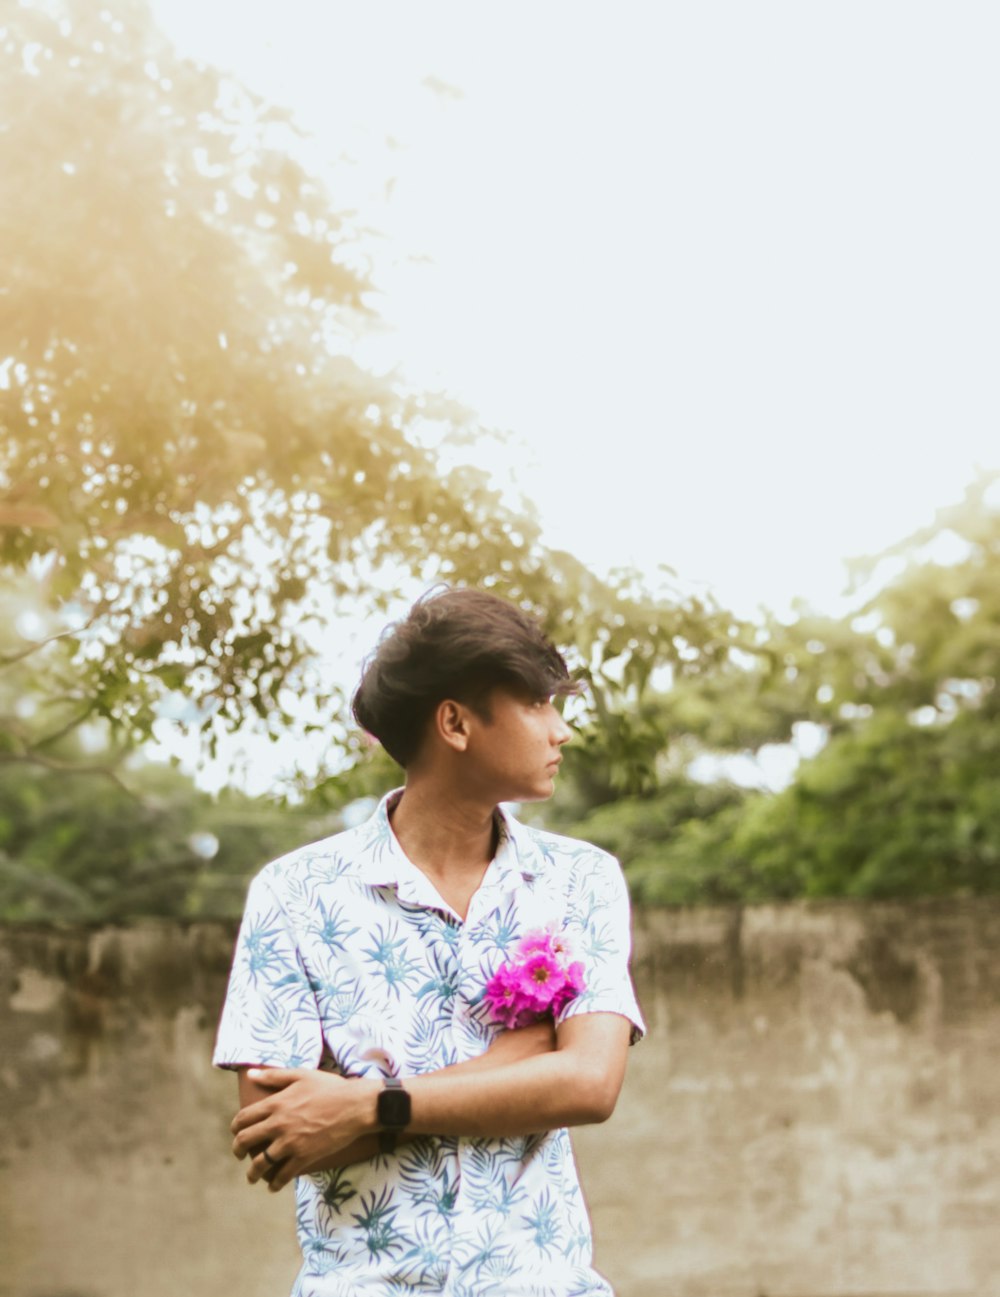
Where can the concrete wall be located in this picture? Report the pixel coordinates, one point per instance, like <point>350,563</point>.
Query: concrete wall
<point>816,1112</point>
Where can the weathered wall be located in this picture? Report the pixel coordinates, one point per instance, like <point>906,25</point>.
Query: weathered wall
<point>816,1112</point>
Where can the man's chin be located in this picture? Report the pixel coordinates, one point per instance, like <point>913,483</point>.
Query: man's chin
<point>540,793</point>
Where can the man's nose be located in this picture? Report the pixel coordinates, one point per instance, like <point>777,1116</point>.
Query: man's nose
<point>563,733</point>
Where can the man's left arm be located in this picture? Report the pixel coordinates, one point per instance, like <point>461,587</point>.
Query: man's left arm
<point>508,1046</point>
<point>311,1115</point>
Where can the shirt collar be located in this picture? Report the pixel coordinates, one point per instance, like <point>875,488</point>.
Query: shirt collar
<point>383,863</point>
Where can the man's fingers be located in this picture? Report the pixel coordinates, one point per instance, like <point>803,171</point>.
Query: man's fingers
<point>257,1169</point>
<point>240,1151</point>
<point>274,1176</point>
<point>275,1078</point>
<point>253,1140</point>
<point>264,1164</point>
<point>283,1174</point>
<point>252,1115</point>
<point>245,1143</point>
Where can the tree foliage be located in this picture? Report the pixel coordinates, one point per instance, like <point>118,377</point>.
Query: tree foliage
<point>901,800</point>
<point>196,474</point>
<point>193,464</point>
<point>73,848</point>
<point>89,833</point>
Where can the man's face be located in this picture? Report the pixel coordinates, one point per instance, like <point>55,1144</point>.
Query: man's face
<point>514,753</point>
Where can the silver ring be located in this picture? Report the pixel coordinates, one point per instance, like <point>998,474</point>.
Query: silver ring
<point>272,1161</point>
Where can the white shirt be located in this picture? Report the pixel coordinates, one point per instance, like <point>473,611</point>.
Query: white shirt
<point>349,959</point>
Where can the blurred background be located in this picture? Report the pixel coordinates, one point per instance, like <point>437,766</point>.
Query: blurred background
<point>674,323</point>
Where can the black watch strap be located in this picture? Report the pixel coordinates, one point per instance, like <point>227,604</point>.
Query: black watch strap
<point>393,1112</point>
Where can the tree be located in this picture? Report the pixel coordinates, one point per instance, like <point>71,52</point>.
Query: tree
<point>674,842</point>
<point>902,799</point>
<point>88,836</point>
<point>894,809</point>
<point>193,465</point>
<point>77,849</point>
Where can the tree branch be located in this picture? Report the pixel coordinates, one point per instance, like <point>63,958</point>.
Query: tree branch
<point>9,659</point>
<point>34,758</point>
<point>61,733</point>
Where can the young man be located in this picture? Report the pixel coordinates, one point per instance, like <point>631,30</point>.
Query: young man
<point>427,1143</point>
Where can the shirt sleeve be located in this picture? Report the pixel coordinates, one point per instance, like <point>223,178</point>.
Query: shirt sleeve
<point>598,926</point>
<point>270,1017</point>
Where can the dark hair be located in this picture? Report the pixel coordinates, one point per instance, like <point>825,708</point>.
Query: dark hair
<point>456,644</point>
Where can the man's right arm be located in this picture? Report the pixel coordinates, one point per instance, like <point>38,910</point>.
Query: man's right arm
<point>311,1114</point>
<point>508,1047</point>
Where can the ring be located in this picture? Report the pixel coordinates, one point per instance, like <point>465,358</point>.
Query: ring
<point>273,1161</point>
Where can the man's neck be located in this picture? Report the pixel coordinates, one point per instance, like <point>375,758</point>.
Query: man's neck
<point>450,839</point>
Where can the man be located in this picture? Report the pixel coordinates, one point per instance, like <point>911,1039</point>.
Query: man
<point>427,1143</point>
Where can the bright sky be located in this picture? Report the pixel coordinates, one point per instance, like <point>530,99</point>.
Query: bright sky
<point>728,273</point>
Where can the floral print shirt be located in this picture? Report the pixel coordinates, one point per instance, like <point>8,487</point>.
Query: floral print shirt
<point>349,959</point>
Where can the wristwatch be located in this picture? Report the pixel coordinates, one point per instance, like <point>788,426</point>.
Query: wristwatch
<point>392,1112</point>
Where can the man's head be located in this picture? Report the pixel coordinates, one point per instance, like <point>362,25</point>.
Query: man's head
<point>459,645</point>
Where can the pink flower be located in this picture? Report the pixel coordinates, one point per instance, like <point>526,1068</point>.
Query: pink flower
<point>538,982</point>
<point>538,979</point>
<point>504,996</point>
<point>548,939</point>
<point>572,985</point>
<point>541,940</point>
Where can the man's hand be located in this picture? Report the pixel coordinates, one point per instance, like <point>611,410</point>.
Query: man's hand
<point>530,1079</point>
<point>307,1118</point>
<point>256,1096</point>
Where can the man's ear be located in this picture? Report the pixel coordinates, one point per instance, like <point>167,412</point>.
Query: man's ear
<point>451,720</point>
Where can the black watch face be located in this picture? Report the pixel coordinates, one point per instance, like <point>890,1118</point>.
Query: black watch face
<point>394,1108</point>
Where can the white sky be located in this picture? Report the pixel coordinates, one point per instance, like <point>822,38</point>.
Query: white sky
<point>729,273</point>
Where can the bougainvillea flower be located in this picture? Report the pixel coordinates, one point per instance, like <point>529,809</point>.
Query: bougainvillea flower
<point>570,988</point>
<point>540,940</point>
<point>538,979</point>
<point>537,983</point>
